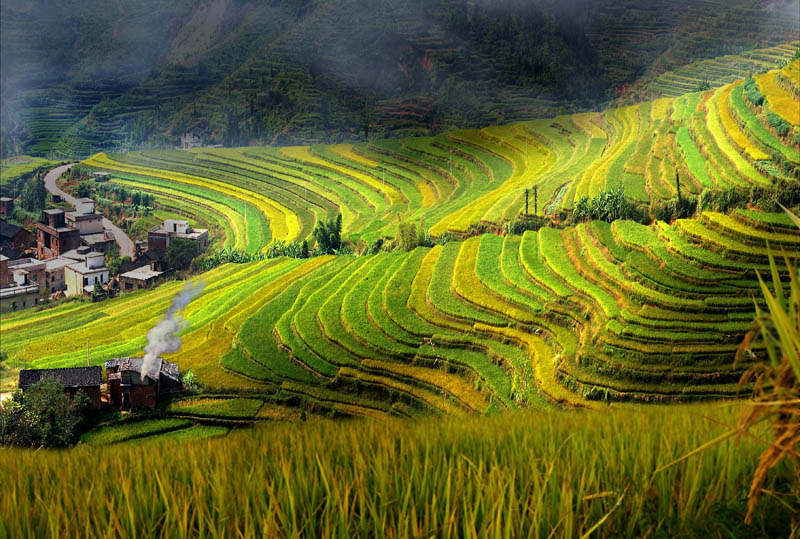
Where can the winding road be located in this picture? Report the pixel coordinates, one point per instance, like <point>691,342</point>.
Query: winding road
<point>124,242</point>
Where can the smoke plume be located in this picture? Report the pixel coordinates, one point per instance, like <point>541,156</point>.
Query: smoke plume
<point>164,336</point>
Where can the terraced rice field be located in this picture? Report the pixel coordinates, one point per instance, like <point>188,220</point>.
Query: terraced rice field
<point>558,317</point>
<point>721,70</point>
<point>454,181</point>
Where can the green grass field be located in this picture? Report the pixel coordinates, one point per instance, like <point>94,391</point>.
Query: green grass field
<point>531,474</point>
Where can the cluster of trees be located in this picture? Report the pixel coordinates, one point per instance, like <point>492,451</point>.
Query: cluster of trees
<point>44,416</point>
<point>329,235</point>
<point>608,206</point>
<point>33,197</point>
<point>275,249</point>
<point>123,194</point>
<point>180,253</point>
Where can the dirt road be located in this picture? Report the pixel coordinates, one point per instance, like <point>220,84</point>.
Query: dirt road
<point>124,242</point>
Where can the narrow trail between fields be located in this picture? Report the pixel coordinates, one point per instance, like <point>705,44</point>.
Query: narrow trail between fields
<point>123,241</point>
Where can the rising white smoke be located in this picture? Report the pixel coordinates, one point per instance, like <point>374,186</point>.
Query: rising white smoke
<point>164,338</point>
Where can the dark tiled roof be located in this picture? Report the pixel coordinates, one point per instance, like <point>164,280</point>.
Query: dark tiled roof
<point>170,370</point>
<point>69,377</point>
<point>7,230</point>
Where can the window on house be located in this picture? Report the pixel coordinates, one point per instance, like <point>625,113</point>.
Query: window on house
<point>85,281</point>
<point>36,301</point>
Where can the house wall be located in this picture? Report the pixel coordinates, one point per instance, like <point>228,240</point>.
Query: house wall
<point>92,392</point>
<point>143,396</point>
<point>54,280</point>
<point>75,281</point>
<point>87,224</point>
<point>20,301</point>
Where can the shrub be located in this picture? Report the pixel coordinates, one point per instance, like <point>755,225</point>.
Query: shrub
<point>608,206</point>
<point>43,416</point>
<point>780,125</point>
<point>407,238</point>
<point>752,93</point>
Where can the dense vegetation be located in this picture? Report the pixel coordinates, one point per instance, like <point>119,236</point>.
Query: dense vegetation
<point>526,474</point>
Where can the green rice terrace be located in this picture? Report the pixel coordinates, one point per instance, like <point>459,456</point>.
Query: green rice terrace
<point>556,317</point>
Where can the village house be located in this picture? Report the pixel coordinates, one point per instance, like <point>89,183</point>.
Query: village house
<point>53,236</point>
<point>54,273</point>
<point>14,240</point>
<point>74,379</point>
<point>16,289</point>
<point>160,236</point>
<point>6,206</point>
<point>90,225</point>
<point>192,139</point>
<point>130,388</point>
<point>35,271</point>
<point>142,277</point>
<point>100,176</point>
<point>80,277</point>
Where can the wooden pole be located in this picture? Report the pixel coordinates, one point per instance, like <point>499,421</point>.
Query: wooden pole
<point>87,354</point>
<point>535,199</point>
<point>526,202</point>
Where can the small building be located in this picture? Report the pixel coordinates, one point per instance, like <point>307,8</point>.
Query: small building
<point>17,291</point>
<point>80,277</point>
<point>130,388</point>
<point>141,277</point>
<point>33,270</point>
<point>54,273</point>
<point>84,218</point>
<point>160,236</point>
<point>100,176</point>
<point>54,236</point>
<point>14,238</point>
<point>6,206</point>
<point>74,379</point>
<point>102,242</point>
<point>192,139</point>
<point>18,296</point>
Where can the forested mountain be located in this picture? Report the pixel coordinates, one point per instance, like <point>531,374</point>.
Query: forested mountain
<point>79,76</point>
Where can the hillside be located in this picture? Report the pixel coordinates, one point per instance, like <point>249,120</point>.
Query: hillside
<point>560,316</point>
<point>459,180</point>
<point>89,76</point>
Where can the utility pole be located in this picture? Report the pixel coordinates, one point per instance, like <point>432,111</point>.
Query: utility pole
<point>384,181</point>
<point>87,354</point>
<point>535,199</point>
<point>526,202</point>
<point>451,164</point>
<point>305,195</point>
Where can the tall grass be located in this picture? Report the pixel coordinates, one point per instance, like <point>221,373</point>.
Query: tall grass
<point>516,475</point>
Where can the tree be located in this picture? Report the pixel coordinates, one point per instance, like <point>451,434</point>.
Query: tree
<point>98,293</point>
<point>34,195</point>
<point>407,236</point>
<point>180,253</point>
<point>43,416</point>
<point>329,235</point>
<point>84,190</point>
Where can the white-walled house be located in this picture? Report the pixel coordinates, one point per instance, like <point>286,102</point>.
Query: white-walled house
<point>81,277</point>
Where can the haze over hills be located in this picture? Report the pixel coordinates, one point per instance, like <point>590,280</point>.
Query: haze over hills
<point>81,76</point>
